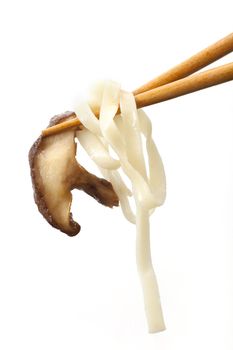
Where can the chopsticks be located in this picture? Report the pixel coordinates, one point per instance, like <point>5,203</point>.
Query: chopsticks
<point>186,85</point>
<point>200,60</point>
<point>175,82</point>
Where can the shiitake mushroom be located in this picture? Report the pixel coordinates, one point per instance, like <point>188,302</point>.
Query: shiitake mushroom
<point>55,172</point>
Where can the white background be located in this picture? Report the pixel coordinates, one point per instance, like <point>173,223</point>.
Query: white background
<point>83,293</point>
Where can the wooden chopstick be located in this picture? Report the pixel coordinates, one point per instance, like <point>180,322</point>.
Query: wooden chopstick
<point>191,65</point>
<point>186,85</point>
<point>62,126</point>
<point>166,92</point>
<point>198,61</point>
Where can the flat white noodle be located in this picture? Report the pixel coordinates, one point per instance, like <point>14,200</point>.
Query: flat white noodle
<point>157,179</point>
<point>122,192</point>
<point>146,273</point>
<point>143,255</point>
<point>97,150</point>
<point>96,95</point>
<point>131,129</point>
<point>87,117</point>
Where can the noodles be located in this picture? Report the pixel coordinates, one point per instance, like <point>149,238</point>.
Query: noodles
<point>87,118</point>
<point>157,178</point>
<point>97,151</point>
<point>146,273</point>
<point>113,136</point>
<point>123,134</point>
<point>122,192</point>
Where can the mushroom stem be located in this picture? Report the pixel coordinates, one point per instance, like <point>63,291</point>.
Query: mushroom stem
<point>146,273</point>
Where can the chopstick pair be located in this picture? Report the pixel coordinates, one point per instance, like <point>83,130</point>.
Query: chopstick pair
<point>176,81</point>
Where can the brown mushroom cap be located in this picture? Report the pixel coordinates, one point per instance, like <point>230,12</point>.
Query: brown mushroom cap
<point>55,172</point>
